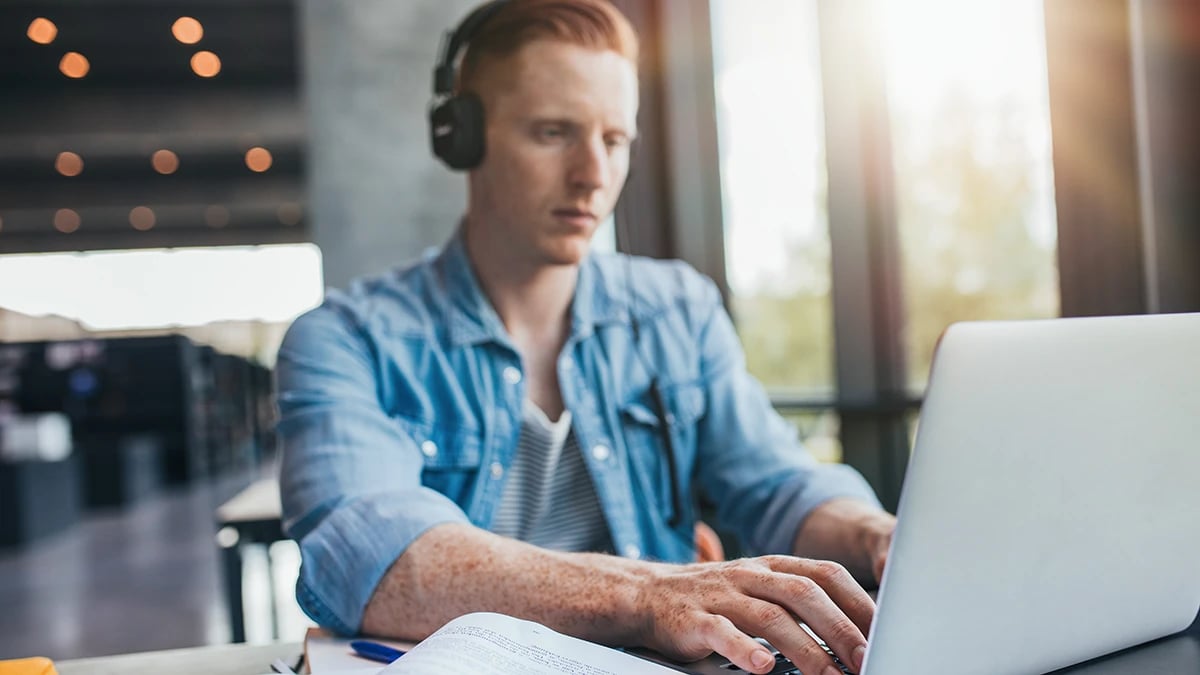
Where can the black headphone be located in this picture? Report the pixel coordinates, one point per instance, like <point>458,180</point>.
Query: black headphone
<point>456,124</point>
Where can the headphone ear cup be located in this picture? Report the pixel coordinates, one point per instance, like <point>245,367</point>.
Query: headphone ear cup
<point>457,131</point>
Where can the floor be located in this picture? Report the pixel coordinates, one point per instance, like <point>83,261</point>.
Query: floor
<point>140,579</point>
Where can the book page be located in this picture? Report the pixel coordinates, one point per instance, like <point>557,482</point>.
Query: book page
<point>495,644</point>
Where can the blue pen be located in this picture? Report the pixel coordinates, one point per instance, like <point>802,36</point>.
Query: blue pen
<point>375,651</point>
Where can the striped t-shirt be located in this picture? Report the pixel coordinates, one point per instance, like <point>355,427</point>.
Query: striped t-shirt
<point>549,499</point>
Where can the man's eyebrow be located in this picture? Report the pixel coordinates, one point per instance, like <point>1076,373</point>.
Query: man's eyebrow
<point>551,115</point>
<point>564,121</point>
<point>568,122</point>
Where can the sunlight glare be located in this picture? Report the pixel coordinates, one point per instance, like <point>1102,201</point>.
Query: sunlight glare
<point>771,135</point>
<point>984,47</point>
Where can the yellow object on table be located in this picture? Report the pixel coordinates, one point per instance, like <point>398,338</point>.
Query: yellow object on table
<point>37,665</point>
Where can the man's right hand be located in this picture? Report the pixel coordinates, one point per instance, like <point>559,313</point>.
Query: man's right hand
<point>689,611</point>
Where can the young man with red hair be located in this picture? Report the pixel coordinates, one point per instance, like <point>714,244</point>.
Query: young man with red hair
<point>516,424</point>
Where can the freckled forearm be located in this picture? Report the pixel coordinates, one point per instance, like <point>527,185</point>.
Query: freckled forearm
<point>453,570</point>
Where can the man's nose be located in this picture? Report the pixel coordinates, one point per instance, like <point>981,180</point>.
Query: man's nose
<point>590,165</point>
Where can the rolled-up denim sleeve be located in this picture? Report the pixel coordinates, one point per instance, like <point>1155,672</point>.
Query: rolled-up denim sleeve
<point>751,462</point>
<point>350,478</point>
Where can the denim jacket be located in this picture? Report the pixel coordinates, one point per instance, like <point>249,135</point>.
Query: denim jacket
<point>400,403</point>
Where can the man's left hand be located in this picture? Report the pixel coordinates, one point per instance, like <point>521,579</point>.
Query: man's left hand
<point>852,532</point>
<point>876,530</point>
<point>880,555</point>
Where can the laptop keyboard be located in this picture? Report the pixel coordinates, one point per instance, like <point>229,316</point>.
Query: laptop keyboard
<point>783,666</point>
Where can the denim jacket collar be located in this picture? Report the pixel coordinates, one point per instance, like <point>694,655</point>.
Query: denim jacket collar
<point>473,320</point>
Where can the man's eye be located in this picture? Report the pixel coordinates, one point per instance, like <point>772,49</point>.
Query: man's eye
<point>616,142</point>
<point>550,133</point>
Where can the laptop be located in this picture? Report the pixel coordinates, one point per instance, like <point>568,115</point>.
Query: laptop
<point>1049,511</point>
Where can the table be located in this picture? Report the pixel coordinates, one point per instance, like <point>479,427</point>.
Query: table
<point>251,517</point>
<point>1176,654</point>
<point>221,660</point>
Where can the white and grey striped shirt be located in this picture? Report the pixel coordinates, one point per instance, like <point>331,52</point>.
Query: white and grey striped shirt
<point>549,499</point>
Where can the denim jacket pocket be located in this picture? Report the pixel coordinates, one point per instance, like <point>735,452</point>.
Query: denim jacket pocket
<point>451,457</point>
<point>644,440</point>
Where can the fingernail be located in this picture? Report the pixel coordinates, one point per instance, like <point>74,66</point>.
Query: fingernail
<point>859,652</point>
<point>762,659</point>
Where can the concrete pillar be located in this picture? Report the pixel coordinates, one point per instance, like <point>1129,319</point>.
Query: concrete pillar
<point>377,196</point>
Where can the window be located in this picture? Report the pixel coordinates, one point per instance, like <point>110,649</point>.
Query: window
<point>155,288</point>
<point>971,147</point>
<point>970,143</point>
<point>772,155</point>
<point>774,185</point>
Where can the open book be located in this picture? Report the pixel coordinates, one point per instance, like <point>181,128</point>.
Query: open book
<point>496,644</point>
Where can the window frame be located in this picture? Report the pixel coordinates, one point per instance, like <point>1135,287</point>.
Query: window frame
<point>1109,263</point>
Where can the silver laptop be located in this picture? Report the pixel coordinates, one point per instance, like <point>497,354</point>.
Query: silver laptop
<point>1051,510</point>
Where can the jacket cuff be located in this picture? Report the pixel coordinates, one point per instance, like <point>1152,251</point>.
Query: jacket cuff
<point>798,497</point>
<point>345,557</point>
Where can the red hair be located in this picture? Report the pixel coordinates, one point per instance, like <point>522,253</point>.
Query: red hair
<point>594,24</point>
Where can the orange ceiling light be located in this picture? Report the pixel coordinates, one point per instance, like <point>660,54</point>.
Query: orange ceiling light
<point>206,64</point>
<point>187,30</point>
<point>258,159</point>
<point>142,218</point>
<point>74,65</point>
<point>42,31</point>
<point>68,164</point>
<point>164,162</point>
<point>66,220</point>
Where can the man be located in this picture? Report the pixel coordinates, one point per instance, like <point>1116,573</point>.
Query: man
<point>448,426</point>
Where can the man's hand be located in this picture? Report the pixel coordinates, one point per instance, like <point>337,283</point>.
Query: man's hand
<point>880,555</point>
<point>853,533</point>
<point>689,611</point>
<point>875,531</point>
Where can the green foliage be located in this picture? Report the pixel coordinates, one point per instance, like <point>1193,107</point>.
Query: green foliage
<point>967,190</point>
<point>788,337</point>
<point>964,201</point>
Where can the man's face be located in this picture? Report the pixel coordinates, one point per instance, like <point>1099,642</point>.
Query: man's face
<point>560,119</point>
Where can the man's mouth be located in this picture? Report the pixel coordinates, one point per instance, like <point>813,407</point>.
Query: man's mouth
<point>575,215</point>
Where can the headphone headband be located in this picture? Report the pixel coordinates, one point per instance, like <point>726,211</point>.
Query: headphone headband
<point>453,42</point>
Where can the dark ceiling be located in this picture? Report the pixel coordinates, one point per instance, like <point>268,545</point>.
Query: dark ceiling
<point>139,96</point>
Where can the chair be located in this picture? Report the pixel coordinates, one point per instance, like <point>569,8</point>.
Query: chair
<point>251,517</point>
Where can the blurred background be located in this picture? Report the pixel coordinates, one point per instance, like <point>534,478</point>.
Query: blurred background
<point>180,180</point>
